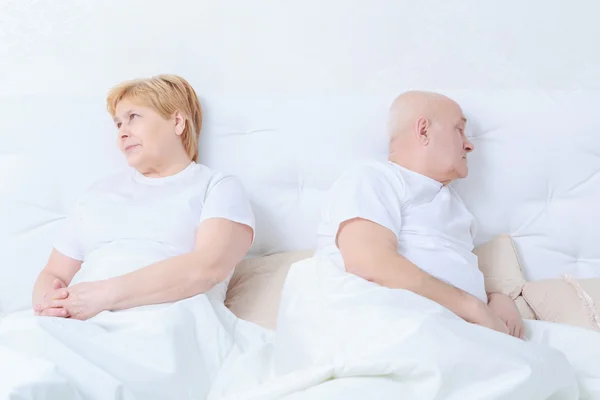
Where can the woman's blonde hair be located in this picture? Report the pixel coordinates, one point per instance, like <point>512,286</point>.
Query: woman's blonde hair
<point>165,94</point>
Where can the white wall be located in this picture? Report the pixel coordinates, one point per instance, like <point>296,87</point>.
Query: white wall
<point>83,46</point>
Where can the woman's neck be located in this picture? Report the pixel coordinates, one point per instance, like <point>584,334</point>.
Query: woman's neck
<point>166,167</point>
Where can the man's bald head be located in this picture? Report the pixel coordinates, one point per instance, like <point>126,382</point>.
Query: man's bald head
<point>410,106</point>
<point>427,135</point>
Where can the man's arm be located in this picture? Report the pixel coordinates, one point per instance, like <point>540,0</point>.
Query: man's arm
<point>370,251</point>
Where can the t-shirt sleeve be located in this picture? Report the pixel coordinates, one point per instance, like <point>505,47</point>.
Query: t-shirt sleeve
<point>68,240</point>
<point>228,199</point>
<point>366,194</point>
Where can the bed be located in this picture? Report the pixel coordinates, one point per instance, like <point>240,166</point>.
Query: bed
<point>295,93</point>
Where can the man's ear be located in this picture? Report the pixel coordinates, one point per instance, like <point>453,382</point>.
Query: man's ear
<point>179,123</point>
<point>422,130</point>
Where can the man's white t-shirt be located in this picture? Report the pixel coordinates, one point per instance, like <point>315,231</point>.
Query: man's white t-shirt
<point>433,226</point>
<point>127,221</point>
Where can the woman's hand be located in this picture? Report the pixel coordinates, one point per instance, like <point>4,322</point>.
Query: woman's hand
<point>85,300</point>
<point>57,292</point>
<point>506,309</point>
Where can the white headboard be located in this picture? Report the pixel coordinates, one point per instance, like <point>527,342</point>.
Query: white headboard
<point>295,92</point>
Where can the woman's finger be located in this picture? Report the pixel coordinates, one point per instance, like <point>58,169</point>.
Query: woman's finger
<point>60,294</point>
<point>53,304</point>
<point>57,284</point>
<point>55,295</point>
<point>59,303</point>
<point>54,312</point>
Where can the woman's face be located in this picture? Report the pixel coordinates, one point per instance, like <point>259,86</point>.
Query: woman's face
<point>144,136</point>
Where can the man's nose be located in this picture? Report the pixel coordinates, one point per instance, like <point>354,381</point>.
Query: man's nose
<point>469,146</point>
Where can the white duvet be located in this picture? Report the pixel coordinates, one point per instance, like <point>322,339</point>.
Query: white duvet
<point>148,353</point>
<point>339,337</point>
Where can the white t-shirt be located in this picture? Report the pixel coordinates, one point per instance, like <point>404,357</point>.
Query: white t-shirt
<point>434,228</point>
<point>127,221</point>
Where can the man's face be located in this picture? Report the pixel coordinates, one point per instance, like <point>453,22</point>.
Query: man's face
<point>449,146</point>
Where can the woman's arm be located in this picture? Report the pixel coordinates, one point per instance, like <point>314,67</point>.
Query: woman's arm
<point>220,245</point>
<point>58,273</point>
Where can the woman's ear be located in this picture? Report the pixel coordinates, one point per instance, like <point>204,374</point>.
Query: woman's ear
<point>179,123</point>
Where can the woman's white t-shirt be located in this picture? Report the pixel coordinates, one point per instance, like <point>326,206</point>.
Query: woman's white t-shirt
<point>433,227</point>
<point>127,221</point>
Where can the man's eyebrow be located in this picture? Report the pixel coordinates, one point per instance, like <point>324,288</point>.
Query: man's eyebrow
<point>463,119</point>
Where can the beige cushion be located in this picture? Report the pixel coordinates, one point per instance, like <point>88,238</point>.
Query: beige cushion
<point>567,300</point>
<point>524,308</point>
<point>499,263</point>
<point>255,287</point>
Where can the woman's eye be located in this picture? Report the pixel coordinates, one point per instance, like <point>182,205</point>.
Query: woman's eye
<point>131,116</point>
<point>118,125</point>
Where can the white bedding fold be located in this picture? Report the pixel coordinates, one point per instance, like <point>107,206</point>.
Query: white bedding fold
<point>166,352</point>
<point>340,336</point>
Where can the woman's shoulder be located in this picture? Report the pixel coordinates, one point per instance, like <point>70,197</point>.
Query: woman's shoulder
<point>214,176</point>
<point>217,182</point>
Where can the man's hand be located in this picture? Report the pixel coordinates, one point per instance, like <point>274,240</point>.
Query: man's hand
<point>486,317</point>
<point>84,300</point>
<point>506,309</point>
<point>58,292</point>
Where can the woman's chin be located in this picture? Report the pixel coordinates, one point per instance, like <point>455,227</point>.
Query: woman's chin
<point>133,160</point>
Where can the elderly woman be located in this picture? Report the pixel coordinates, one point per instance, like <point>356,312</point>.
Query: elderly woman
<point>167,229</point>
<point>131,302</point>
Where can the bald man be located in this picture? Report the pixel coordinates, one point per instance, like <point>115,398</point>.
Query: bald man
<point>399,224</point>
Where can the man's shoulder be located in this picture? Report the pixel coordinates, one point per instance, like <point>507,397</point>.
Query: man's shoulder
<point>369,173</point>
